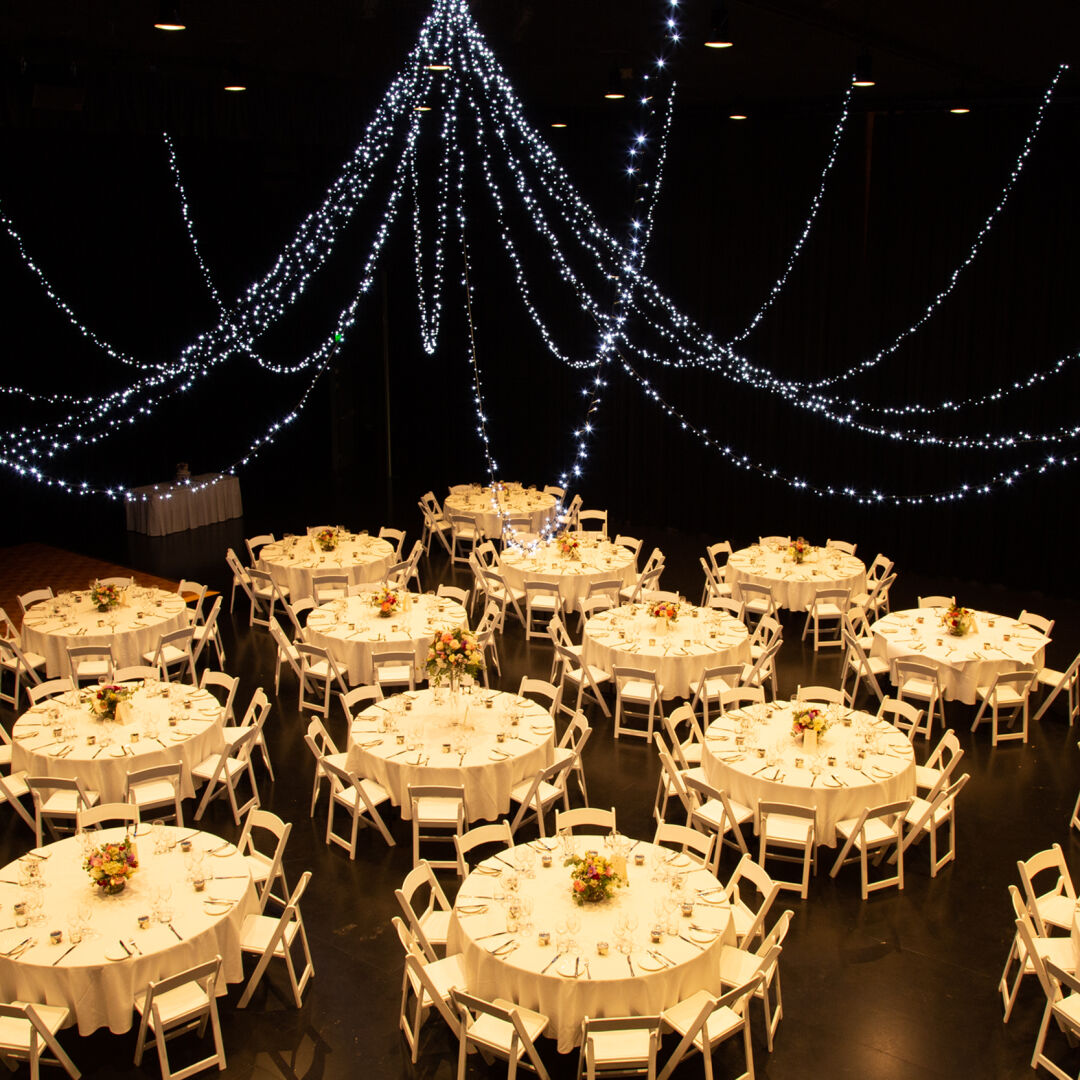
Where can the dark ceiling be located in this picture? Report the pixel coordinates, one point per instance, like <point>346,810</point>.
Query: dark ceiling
<point>73,56</point>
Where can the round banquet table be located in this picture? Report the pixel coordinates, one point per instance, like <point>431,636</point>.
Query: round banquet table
<point>485,506</point>
<point>997,645</point>
<point>292,561</point>
<point>144,740</point>
<point>794,585</point>
<point>764,766</point>
<point>98,989</point>
<point>486,768</point>
<point>348,628</point>
<point>600,560</point>
<point>615,985</point>
<point>700,638</point>
<point>131,629</point>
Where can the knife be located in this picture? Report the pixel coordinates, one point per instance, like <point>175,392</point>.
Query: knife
<point>63,954</point>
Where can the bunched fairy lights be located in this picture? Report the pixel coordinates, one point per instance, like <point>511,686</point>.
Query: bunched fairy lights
<point>452,104</point>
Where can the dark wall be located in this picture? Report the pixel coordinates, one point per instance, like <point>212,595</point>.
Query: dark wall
<point>906,198</point>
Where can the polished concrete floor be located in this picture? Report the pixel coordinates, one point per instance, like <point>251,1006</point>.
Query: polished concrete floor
<point>902,986</point>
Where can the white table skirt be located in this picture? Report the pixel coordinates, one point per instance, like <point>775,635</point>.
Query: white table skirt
<point>612,990</point>
<point>964,662</point>
<point>663,649</point>
<point>292,562</point>
<point>101,992</point>
<point>488,771</point>
<point>598,562</point>
<point>139,624</point>
<point>196,736</point>
<point>794,585</point>
<point>840,792</point>
<point>167,508</point>
<point>348,630</point>
<point>479,504</point>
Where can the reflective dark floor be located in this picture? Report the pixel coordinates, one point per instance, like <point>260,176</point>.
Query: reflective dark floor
<point>904,985</point>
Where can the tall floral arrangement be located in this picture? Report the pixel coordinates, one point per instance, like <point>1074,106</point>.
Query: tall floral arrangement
<point>454,653</point>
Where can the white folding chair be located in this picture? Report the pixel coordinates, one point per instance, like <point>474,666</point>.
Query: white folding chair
<point>570,748</point>
<point>177,1005</point>
<point>318,666</point>
<point>828,606</point>
<point>819,695</point>
<point>713,682</point>
<point>758,601</point>
<point>1058,681</point>
<point>586,518</point>
<point>1007,699</point>
<point>394,537</point>
<point>926,816</point>
<point>57,799</point>
<point>89,663</point>
<point>175,651</point>
<point>876,829</point>
<point>463,530</point>
<point>862,668</point>
<point>692,843</point>
<point>266,868</point>
<point>704,1022</point>
<point>500,1030</point>
<point>1054,908</point>
<point>1063,1010</point>
<point>713,810</point>
<point>220,680</point>
<point>435,523</point>
<point>22,665</point>
<point>540,688</point>
<point>34,596</point>
<point>942,761</point>
<point>255,716</point>
<point>264,594</point>
<point>688,750</point>
<point>28,1033</point>
<point>110,814</point>
<point>584,818</point>
<point>637,693</point>
<point>904,717</point>
<point>208,633</point>
<point>13,789</point>
<point>618,1046</point>
<point>361,797</point>
<point>438,813</point>
<point>430,982</point>
<point>286,652</point>
<point>274,939</point>
<point>328,585</point>
<point>157,788</point>
<point>737,966</point>
<point>430,926</point>
<point>936,601</point>
<point>1030,950</point>
<point>750,921</point>
<point>223,773</point>
<point>536,796</point>
<point>544,601</point>
<point>255,543</point>
<point>479,836</point>
<point>914,678</point>
<point>392,666</point>
<point>322,746</point>
<point>585,676</point>
<point>783,828</point>
<point>631,543</point>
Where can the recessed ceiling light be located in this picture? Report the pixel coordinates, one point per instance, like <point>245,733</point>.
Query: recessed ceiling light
<point>959,110</point>
<point>235,88</point>
<point>864,70</point>
<point>422,108</point>
<point>438,67</point>
<point>169,18</point>
<point>558,124</point>
<point>737,116</point>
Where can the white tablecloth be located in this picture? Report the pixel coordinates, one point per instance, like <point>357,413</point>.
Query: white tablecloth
<point>599,561</point>
<point>794,585</point>
<point>715,638</point>
<point>841,791</point>
<point>132,629</point>
<point>964,662</point>
<point>610,988</point>
<point>167,508</point>
<point>483,506</point>
<point>291,562</point>
<point>99,991</point>
<point>348,629</point>
<point>489,768</point>
<point>195,736</point>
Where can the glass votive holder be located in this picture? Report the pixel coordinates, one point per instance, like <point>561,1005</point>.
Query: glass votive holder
<point>656,935</point>
<point>919,619</point>
<point>1007,637</point>
<point>134,737</point>
<point>740,740</point>
<point>446,748</point>
<point>687,908</point>
<point>57,732</point>
<point>832,761</point>
<point>56,936</point>
<point>198,883</point>
<point>761,751</point>
<point>399,739</point>
<point>602,948</point>
<point>408,705</point>
<point>798,763</point>
<point>545,860</point>
<point>500,736</point>
<point>144,922</point>
<point>90,740</point>
<point>544,938</point>
<point>172,721</point>
<point>639,859</point>
<point>185,845</point>
<point>652,641</point>
<point>489,703</point>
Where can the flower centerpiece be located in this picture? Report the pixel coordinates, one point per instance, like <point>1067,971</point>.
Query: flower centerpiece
<point>103,596</point>
<point>666,610</point>
<point>386,601</point>
<point>326,539</point>
<point>959,621</point>
<point>799,550</point>
<point>110,865</point>
<point>594,878</point>
<point>454,653</point>
<point>568,545</point>
<point>809,719</point>
<point>107,700</point>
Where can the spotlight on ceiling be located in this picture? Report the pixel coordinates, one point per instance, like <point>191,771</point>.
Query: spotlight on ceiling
<point>718,35</point>
<point>169,17</point>
<point>558,124</point>
<point>617,77</point>
<point>233,81</point>
<point>959,110</point>
<point>437,67</point>
<point>864,70</point>
<point>737,115</point>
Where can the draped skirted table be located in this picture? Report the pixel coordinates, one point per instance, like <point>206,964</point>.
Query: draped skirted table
<point>348,629</point>
<point>648,979</point>
<point>794,585</point>
<point>167,508</point>
<point>998,644</point>
<point>99,978</point>
<point>440,740</point>
<point>679,653</point>
<point>752,755</point>
<point>598,560</point>
<point>131,629</point>
<point>483,506</point>
<point>163,725</point>
<point>292,561</point>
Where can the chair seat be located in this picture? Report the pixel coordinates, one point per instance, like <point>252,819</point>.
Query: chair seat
<point>758,606</point>
<point>920,806</point>
<point>737,966</point>
<point>1045,677</point>
<point>1058,950</point>
<point>185,1000</point>
<point>599,675</point>
<point>15,1033</point>
<point>258,864</point>
<point>615,1048</point>
<point>1069,1008</point>
<point>1057,910</point>
<point>639,691</point>
<point>206,769</point>
<point>92,668</point>
<point>711,688</point>
<point>436,927</point>
<point>257,931</point>
<point>264,591</point>
<point>393,673</point>
<point>720,1023</point>
<point>444,974</point>
<point>923,689</point>
<point>498,1034</point>
<point>66,802</point>
<point>785,829</point>
<point>375,792</point>
<point>436,811</point>
<point>712,813</point>
<point>874,829</point>
<point>153,792</point>
<point>547,792</point>
<point>544,602</point>
<point>877,664</point>
<point>34,659</point>
<point>1005,695</point>
<point>691,751</point>
<point>926,777</point>
<point>827,610</point>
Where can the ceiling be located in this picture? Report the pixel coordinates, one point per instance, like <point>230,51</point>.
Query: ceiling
<point>65,55</point>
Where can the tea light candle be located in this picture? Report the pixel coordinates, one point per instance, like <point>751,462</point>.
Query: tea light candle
<point>56,936</point>
<point>185,845</point>
<point>500,736</point>
<point>601,948</point>
<point>400,740</point>
<point>639,859</point>
<point>408,705</point>
<point>134,737</point>
<point>446,748</point>
<point>144,922</point>
<point>832,761</point>
<point>21,918</point>
<point>545,860</point>
<point>656,935</point>
<point>198,883</point>
<point>544,937</point>
<point>57,732</point>
<point>687,908</point>
<point>90,740</point>
<point>489,703</point>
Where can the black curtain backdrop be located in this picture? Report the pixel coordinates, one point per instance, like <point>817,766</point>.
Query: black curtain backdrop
<point>92,194</point>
